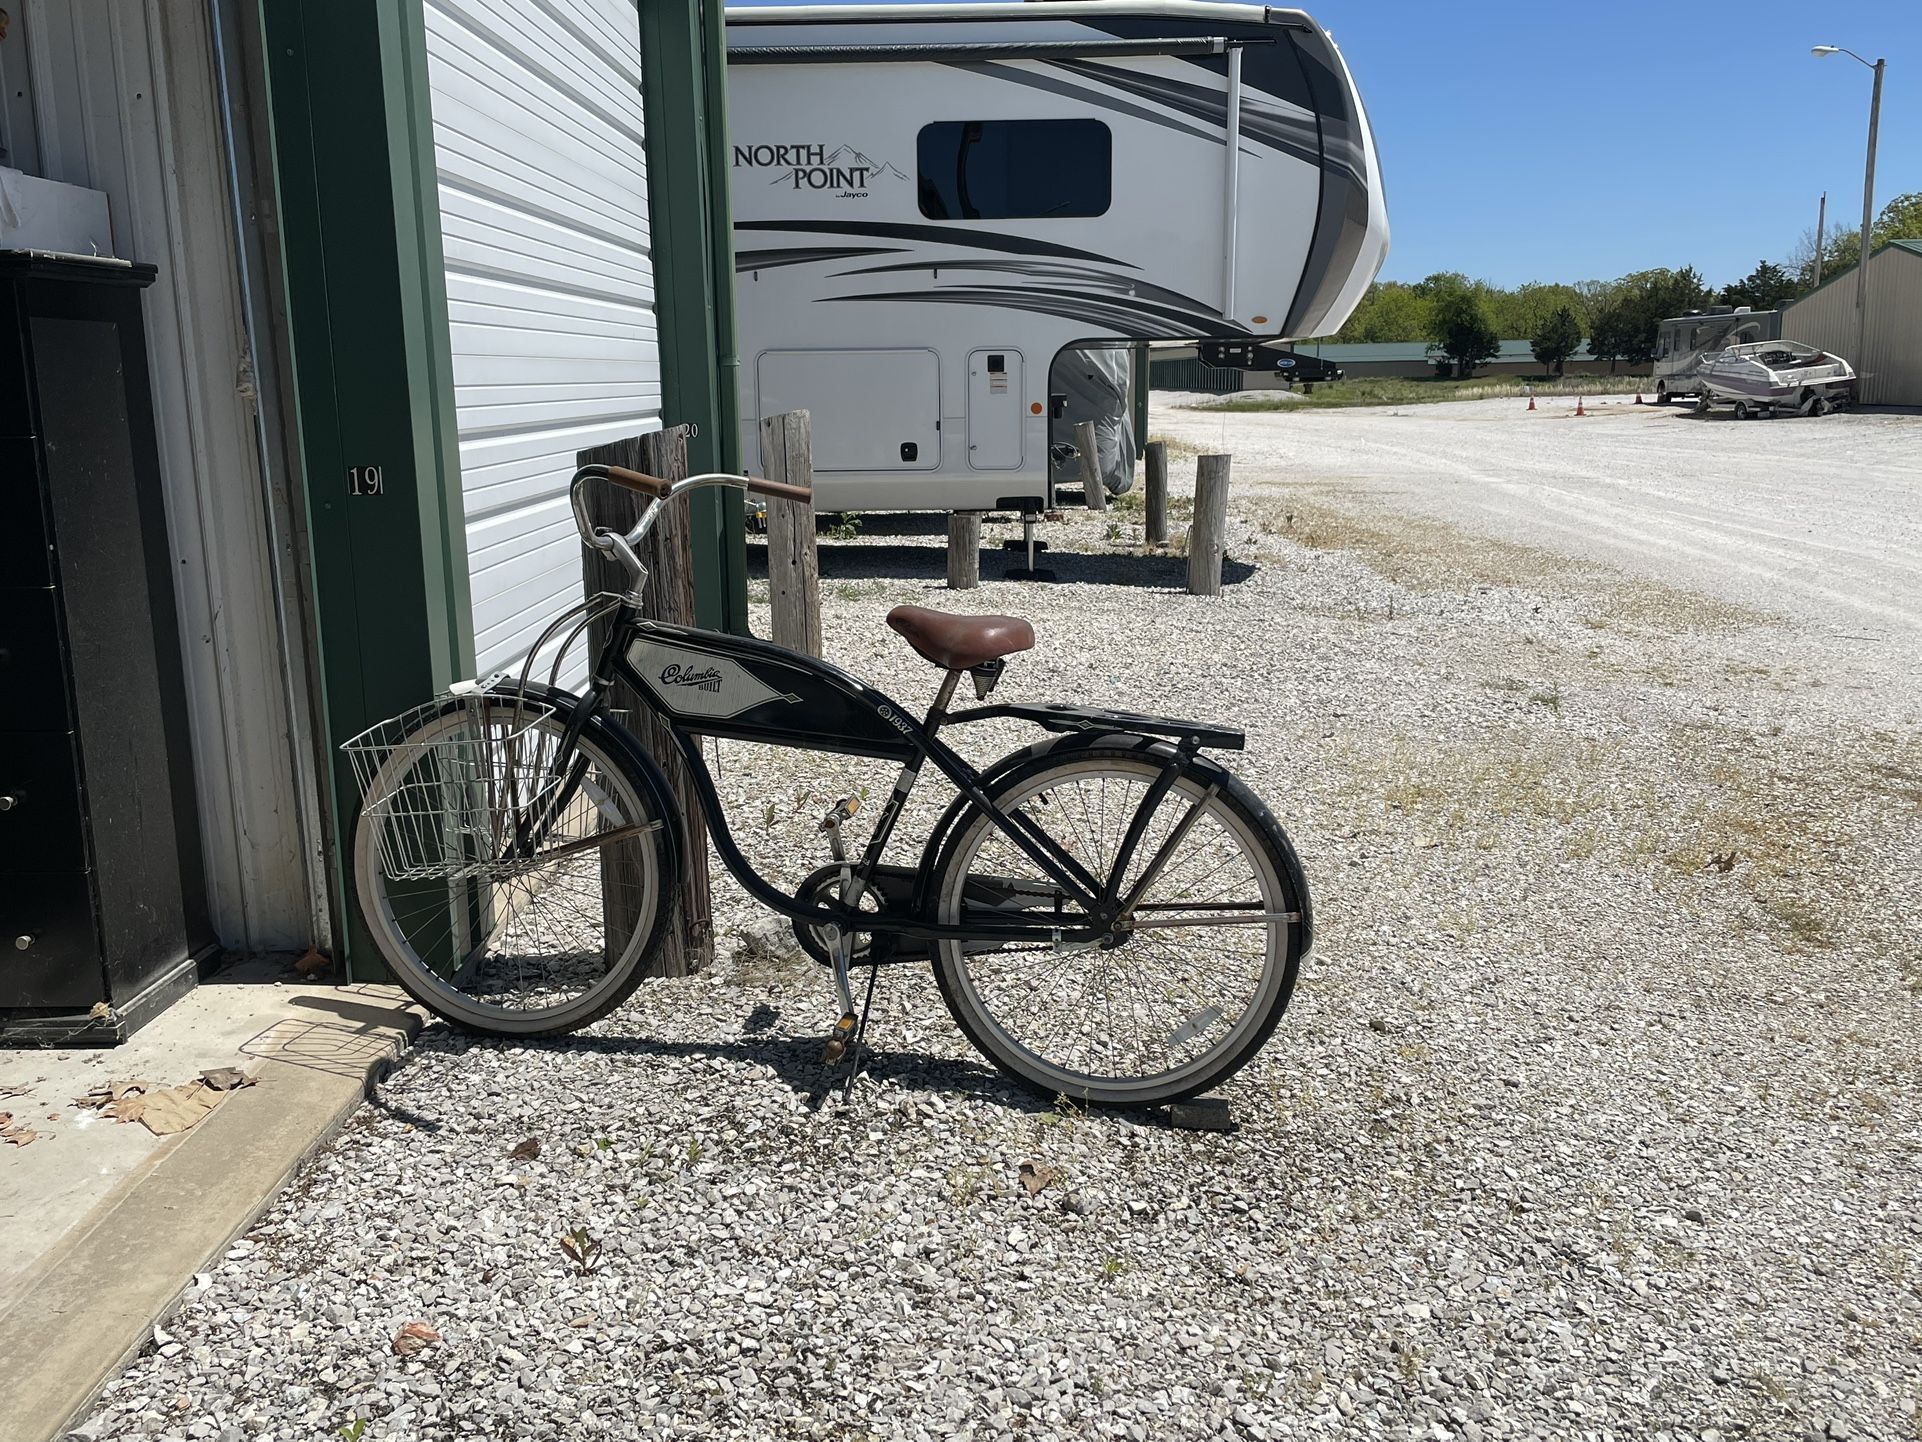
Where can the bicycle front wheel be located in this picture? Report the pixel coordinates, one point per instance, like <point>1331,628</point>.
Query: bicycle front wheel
<point>515,886</point>
<point>1182,996</point>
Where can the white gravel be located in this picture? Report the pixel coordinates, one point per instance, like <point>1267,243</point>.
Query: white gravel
<point>1595,1116</point>
<point>1818,517</point>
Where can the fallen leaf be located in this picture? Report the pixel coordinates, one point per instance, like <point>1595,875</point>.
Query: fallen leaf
<point>117,1090</point>
<point>99,1011</point>
<point>526,1151</point>
<point>127,1109</point>
<point>177,1108</point>
<point>313,963</point>
<point>1035,1176</point>
<point>227,1078</point>
<point>10,1090</point>
<point>413,1339</point>
<point>19,1136</point>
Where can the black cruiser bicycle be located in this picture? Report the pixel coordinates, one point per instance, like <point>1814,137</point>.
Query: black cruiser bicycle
<point>1111,915</point>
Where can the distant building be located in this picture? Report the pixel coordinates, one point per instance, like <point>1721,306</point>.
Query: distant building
<point>1891,366</point>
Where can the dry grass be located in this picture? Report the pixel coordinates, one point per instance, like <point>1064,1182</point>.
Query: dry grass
<point>1784,833</point>
<point>1426,554</point>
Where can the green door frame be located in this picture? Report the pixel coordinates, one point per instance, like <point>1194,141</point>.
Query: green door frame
<point>372,373</point>
<point>684,91</point>
<point>373,414</point>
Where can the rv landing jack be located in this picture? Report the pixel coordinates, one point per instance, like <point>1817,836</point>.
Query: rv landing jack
<point>1030,545</point>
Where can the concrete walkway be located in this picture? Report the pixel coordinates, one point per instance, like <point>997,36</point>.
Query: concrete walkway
<point>106,1223</point>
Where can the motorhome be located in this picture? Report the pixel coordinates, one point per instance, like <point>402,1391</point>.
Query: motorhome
<point>1684,344</point>
<point>931,203</point>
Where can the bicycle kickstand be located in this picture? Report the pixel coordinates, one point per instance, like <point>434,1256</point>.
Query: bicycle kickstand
<point>859,1045</point>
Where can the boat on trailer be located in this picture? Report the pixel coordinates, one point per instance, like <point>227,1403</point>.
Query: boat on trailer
<point>1762,377</point>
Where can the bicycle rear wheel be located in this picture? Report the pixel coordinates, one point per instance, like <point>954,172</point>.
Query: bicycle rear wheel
<point>513,888</point>
<point>1169,1007</point>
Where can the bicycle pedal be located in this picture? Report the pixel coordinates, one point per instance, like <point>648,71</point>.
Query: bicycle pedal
<point>838,1039</point>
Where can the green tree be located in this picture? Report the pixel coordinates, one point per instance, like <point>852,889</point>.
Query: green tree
<point>1764,288</point>
<point>1609,332</point>
<point>1900,219</point>
<point>1459,328</point>
<point>1390,311</point>
<point>1638,305</point>
<point>1527,309</point>
<point>1556,341</point>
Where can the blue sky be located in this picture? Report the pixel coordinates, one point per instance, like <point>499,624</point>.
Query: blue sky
<point>1580,142</point>
<point>1576,142</point>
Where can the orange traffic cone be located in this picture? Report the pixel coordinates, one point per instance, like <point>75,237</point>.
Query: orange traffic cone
<point>1578,407</point>
<point>1531,401</point>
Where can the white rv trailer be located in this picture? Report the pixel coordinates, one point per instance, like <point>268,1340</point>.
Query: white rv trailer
<point>931,202</point>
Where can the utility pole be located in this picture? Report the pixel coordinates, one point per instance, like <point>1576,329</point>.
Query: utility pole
<point>1821,222</point>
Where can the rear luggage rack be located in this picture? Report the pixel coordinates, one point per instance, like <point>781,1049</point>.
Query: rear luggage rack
<point>1059,717</point>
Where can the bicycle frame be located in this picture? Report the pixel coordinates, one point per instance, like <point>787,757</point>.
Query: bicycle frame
<point>707,683</point>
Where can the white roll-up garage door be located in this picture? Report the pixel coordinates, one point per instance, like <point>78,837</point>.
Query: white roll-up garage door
<point>550,287</point>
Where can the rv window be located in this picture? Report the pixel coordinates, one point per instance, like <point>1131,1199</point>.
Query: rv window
<point>1014,169</point>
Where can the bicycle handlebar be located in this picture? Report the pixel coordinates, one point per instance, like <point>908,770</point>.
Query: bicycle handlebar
<point>659,492</point>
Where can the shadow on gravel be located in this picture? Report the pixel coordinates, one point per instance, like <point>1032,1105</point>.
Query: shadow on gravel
<point>930,563</point>
<point>796,1060</point>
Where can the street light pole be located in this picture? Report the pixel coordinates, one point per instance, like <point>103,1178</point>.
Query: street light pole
<point>1868,207</point>
<point>1868,200</point>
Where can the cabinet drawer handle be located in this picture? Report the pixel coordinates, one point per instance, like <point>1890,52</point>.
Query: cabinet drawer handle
<point>22,942</point>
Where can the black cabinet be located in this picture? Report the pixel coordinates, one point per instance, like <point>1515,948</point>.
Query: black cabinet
<point>102,918</point>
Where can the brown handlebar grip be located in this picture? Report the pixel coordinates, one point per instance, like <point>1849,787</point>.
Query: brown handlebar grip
<point>638,481</point>
<point>781,489</point>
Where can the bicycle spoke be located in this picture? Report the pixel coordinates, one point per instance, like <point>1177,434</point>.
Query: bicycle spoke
<point>1182,980</point>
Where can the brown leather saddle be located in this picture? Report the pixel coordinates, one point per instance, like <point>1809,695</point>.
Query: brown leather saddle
<point>960,642</point>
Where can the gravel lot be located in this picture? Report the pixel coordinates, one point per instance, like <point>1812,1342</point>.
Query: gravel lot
<point>1819,519</point>
<point>1595,1115</point>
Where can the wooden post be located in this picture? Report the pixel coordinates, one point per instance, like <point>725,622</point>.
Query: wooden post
<point>793,568</point>
<point>964,550</point>
<point>1090,466</point>
<point>1208,532</point>
<point>669,558</point>
<point>1157,497</point>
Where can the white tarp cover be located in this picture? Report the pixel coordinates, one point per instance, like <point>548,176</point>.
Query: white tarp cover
<point>1096,382</point>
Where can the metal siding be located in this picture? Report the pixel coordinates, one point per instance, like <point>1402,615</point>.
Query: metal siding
<point>1892,366</point>
<point>123,101</point>
<point>538,144</point>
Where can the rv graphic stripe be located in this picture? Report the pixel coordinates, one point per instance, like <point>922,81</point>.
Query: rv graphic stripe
<point>1121,285</point>
<point>803,254</point>
<point>1103,99</point>
<point>1124,317</point>
<point>1272,123</point>
<point>938,234</point>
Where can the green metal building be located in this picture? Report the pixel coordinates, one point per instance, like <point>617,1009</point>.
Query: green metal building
<point>414,254</point>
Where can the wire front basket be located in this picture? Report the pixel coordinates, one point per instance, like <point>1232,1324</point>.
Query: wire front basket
<point>460,787</point>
